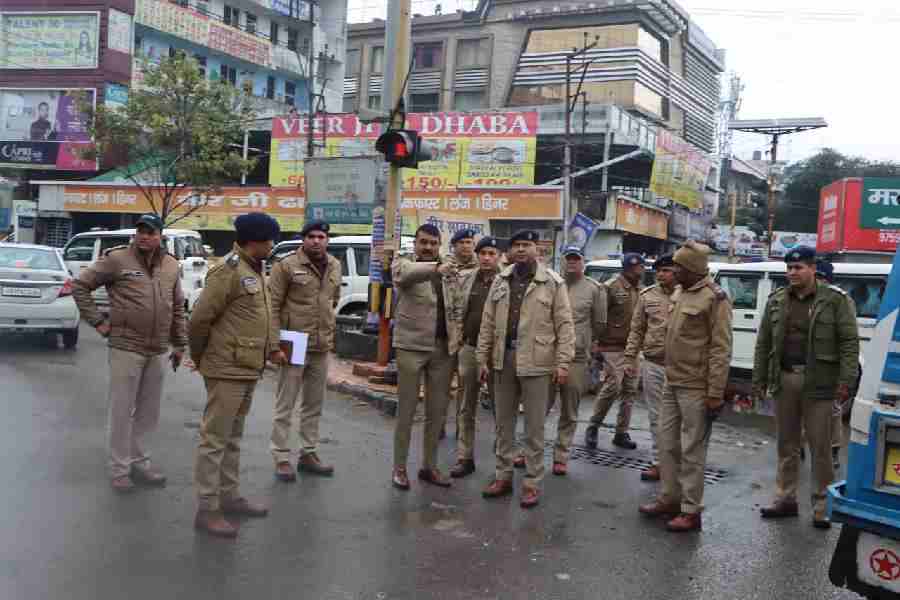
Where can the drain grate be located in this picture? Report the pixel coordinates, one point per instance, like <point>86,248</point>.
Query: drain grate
<point>613,460</point>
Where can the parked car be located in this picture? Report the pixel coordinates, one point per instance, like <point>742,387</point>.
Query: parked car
<point>186,246</point>
<point>36,293</point>
<point>606,269</point>
<point>353,251</point>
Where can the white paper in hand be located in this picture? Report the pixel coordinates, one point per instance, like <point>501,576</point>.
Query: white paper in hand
<point>299,341</point>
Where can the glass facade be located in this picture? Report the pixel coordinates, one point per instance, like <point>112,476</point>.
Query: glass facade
<point>468,100</point>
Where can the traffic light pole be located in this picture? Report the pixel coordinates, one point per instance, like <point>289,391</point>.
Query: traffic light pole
<point>397,45</point>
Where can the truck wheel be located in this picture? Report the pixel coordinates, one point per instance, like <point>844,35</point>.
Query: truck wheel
<point>70,338</point>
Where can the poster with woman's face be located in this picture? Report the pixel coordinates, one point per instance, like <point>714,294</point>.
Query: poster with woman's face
<point>49,40</point>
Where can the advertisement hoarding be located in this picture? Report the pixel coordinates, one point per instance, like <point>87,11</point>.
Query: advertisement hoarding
<point>486,149</point>
<point>635,218</point>
<point>341,190</point>
<point>679,171</point>
<point>840,213</point>
<point>785,241</point>
<point>49,40</point>
<point>880,206</point>
<point>118,31</point>
<point>43,129</point>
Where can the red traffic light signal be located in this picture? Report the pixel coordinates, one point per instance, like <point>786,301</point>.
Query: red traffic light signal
<point>402,147</point>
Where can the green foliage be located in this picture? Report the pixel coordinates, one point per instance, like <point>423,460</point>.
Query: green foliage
<point>176,132</point>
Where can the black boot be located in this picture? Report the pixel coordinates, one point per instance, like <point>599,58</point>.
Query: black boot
<point>590,436</point>
<point>623,440</point>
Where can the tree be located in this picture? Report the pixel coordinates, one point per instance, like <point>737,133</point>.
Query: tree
<point>178,132</point>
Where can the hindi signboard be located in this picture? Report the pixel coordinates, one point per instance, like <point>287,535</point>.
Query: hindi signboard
<point>341,190</point>
<point>49,40</point>
<point>679,171</point>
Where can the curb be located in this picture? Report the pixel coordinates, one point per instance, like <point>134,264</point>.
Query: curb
<point>383,401</point>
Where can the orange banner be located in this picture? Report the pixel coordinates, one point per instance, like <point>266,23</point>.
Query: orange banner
<point>486,203</point>
<point>635,218</point>
<point>228,200</point>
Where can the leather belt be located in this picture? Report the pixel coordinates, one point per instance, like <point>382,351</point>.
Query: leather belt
<point>798,369</point>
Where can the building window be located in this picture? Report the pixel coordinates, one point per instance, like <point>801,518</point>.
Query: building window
<point>201,64</point>
<point>468,100</point>
<point>290,93</point>
<point>651,45</point>
<point>424,102</point>
<point>232,16</point>
<point>273,32</point>
<point>375,102</point>
<point>376,61</point>
<point>428,56</point>
<point>251,23</point>
<point>352,63</point>
<point>648,100</point>
<point>172,52</point>
<point>293,35</point>
<point>228,74</point>
<point>349,105</point>
<point>563,40</point>
<point>473,53</point>
<point>270,88</point>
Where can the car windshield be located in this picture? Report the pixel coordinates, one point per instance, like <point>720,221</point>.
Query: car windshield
<point>29,258</point>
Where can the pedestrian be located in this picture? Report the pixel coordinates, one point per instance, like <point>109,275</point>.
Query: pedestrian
<point>231,335</point>
<point>698,354</point>
<point>146,317</point>
<point>472,292</point>
<point>305,288</point>
<point>807,356</point>
<point>421,339</point>
<point>587,299</point>
<point>526,338</point>
<point>622,296</point>
<point>647,338</point>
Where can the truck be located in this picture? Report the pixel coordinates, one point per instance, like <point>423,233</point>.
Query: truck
<point>859,219</point>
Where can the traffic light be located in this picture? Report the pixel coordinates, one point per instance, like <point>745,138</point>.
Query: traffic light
<point>403,148</point>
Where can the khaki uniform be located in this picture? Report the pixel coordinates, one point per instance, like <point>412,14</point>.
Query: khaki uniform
<point>805,385</point>
<point>526,331</point>
<point>622,297</point>
<point>231,335</point>
<point>463,269</point>
<point>647,338</point>
<point>303,299</point>
<point>698,355</point>
<point>146,317</point>
<point>588,301</point>
<point>422,346</point>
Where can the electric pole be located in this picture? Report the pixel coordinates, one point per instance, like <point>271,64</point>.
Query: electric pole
<point>310,82</point>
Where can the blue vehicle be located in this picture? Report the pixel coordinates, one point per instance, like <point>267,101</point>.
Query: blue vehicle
<point>867,557</point>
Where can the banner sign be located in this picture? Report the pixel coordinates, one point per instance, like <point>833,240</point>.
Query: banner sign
<point>638,219</point>
<point>581,230</point>
<point>449,223</point>
<point>486,203</point>
<point>49,40</point>
<point>118,31</point>
<point>785,241</point>
<point>341,190</point>
<point>487,149</point>
<point>880,203</point>
<point>679,171</point>
<point>42,129</point>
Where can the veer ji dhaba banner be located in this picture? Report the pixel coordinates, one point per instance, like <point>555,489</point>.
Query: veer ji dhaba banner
<point>487,149</point>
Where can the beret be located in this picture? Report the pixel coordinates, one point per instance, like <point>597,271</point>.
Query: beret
<point>256,227</point>
<point>150,220</point>
<point>462,234</point>
<point>487,242</point>
<point>666,260</point>
<point>524,235</point>
<point>800,254</point>
<point>631,259</point>
<point>314,226</point>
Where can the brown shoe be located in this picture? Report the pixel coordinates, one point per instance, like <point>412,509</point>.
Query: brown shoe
<point>779,510</point>
<point>148,476</point>
<point>400,478</point>
<point>821,521</point>
<point>530,497</point>
<point>651,474</point>
<point>243,507</point>
<point>284,471</point>
<point>213,522</point>
<point>658,509</point>
<point>685,522</point>
<point>519,462</point>
<point>434,477</point>
<point>497,488</point>
<point>463,467</point>
<point>560,468</point>
<point>310,463</point>
<point>122,484</point>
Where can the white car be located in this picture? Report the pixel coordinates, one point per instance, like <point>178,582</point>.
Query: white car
<point>185,245</point>
<point>36,293</point>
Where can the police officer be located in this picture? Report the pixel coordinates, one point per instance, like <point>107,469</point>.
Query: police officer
<point>807,355</point>
<point>305,288</point>
<point>698,355</point>
<point>422,333</point>
<point>231,335</point>
<point>588,301</point>
<point>526,337</point>
<point>647,338</point>
<point>146,316</point>
<point>472,292</point>
<point>622,294</point>
<point>463,258</point>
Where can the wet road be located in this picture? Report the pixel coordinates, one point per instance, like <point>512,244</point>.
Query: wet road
<point>64,534</point>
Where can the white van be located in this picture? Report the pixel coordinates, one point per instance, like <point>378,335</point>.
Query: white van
<point>186,246</point>
<point>749,285</point>
<point>353,251</point>
<point>604,270</point>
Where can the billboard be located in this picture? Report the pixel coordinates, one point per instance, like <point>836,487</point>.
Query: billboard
<point>118,32</point>
<point>484,149</point>
<point>880,208</point>
<point>842,209</point>
<point>49,40</point>
<point>679,171</point>
<point>341,190</point>
<point>785,241</point>
<point>43,129</point>
<point>638,219</point>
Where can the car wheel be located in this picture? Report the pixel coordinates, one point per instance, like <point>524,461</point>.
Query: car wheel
<point>70,338</point>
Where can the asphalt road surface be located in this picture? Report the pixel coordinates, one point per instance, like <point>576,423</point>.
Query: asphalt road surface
<point>65,534</point>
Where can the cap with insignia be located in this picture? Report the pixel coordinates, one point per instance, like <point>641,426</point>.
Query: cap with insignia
<point>573,251</point>
<point>631,259</point>
<point>800,254</point>
<point>462,234</point>
<point>825,270</point>
<point>150,220</point>
<point>487,242</point>
<point>256,227</point>
<point>314,226</point>
<point>524,235</point>
<point>666,260</point>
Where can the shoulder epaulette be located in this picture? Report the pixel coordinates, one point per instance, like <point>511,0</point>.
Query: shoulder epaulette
<point>555,276</point>
<point>837,289</point>
<point>717,290</point>
<point>115,249</point>
<point>647,289</point>
<point>773,292</point>
<point>232,260</point>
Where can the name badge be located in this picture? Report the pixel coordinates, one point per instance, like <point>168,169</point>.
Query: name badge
<point>251,284</point>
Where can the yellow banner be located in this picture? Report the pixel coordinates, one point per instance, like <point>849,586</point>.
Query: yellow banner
<point>679,171</point>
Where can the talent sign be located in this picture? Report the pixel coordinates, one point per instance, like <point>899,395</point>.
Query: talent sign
<point>485,149</point>
<point>341,190</point>
<point>49,40</point>
<point>679,171</point>
<point>880,203</point>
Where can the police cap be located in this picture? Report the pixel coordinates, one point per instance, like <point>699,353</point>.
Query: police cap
<point>524,235</point>
<point>825,270</point>
<point>150,220</point>
<point>256,227</point>
<point>573,251</point>
<point>487,242</point>
<point>632,259</point>
<point>801,254</point>
<point>314,226</point>
<point>666,260</point>
<point>462,234</point>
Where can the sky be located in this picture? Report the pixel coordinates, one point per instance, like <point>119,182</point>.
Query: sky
<point>796,58</point>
